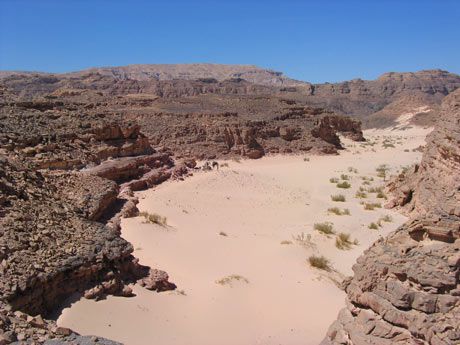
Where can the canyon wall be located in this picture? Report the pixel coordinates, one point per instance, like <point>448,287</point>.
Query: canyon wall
<point>406,287</point>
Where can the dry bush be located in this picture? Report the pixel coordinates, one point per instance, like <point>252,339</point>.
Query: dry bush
<point>230,279</point>
<point>339,212</point>
<point>360,195</point>
<point>343,241</point>
<point>338,198</point>
<point>154,218</point>
<point>344,185</point>
<point>325,228</point>
<point>319,262</point>
<point>304,240</point>
<point>370,206</point>
<point>373,226</point>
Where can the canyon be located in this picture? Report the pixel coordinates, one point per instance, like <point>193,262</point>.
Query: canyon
<point>75,147</point>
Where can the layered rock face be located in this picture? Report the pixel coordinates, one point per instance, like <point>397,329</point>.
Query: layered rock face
<point>406,287</point>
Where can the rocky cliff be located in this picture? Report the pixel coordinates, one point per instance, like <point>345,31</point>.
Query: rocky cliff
<point>406,287</point>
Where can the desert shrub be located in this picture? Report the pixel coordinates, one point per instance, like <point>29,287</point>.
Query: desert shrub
<point>325,228</point>
<point>343,241</point>
<point>370,206</point>
<point>344,185</point>
<point>360,195</point>
<point>223,234</point>
<point>319,262</point>
<point>386,218</point>
<point>338,198</point>
<point>382,170</point>
<point>224,165</point>
<point>375,189</point>
<point>352,170</point>
<point>230,279</point>
<point>306,159</point>
<point>373,226</point>
<point>344,177</point>
<point>154,218</point>
<point>381,195</point>
<point>304,240</point>
<point>333,180</point>
<point>339,212</point>
<point>286,242</point>
<point>387,145</point>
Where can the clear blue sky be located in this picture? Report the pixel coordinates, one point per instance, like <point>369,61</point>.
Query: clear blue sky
<point>323,40</point>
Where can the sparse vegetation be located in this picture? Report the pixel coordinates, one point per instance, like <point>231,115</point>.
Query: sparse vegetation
<point>319,262</point>
<point>224,165</point>
<point>338,198</point>
<point>352,170</point>
<point>360,195</point>
<point>382,171</point>
<point>232,278</point>
<point>154,218</point>
<point>339,212</point>
<point>344,177</point>
<point>306,159</point>
<point>381,195</point>
<point>333,180</point>
<point>386,219</point>
<point>344,185</point>
<point>325,228</point>
<point>285,242</point>
<point>343,241</point>
<point>375,189</point>
<point>373,226</point>
<point>304,240</point>
<point>370,206</point>
<point>223,234</point>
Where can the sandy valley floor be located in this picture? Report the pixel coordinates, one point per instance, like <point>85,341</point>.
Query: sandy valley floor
<point>237,247</point>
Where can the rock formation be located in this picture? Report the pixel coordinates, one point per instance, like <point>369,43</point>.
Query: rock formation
<point>406,287</point>
<point>74,147</point>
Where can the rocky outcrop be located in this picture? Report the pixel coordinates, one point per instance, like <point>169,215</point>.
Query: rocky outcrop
<point>406,287</point>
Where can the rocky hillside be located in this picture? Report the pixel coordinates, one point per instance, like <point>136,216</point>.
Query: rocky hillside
<point>376,102</point>
<point>406,287</point>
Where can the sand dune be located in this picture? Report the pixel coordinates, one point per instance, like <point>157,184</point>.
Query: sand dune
<point>232,247</point>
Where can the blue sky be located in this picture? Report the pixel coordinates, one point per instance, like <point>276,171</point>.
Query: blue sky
<point>309,40</point>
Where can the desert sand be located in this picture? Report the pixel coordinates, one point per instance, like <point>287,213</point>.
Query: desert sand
<point>233,246</point>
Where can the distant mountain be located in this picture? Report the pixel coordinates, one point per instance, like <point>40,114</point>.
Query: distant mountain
<point>161,72</point>
<point>376,102</point>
